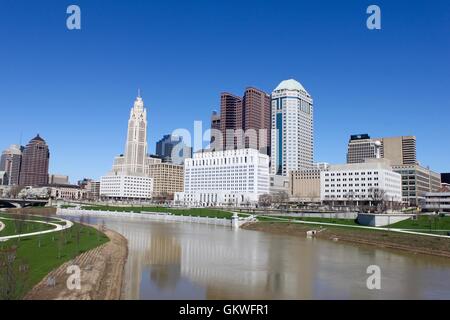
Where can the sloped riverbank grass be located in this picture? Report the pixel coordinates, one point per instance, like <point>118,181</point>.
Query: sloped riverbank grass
<point>30,259</point>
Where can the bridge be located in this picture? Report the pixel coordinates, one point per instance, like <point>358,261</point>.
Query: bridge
<point>21,203</point>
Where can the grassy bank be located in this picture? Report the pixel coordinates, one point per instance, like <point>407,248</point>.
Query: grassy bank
<point>198,212</point>
<point>36,256</point>
<point>350,222</point>
<point>380,238</point>
<point>430,223</point>
<point>13,227</point>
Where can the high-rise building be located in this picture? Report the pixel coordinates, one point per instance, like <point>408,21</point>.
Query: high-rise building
<point>129,177</point>
<point>230,119</point>
<point>173,149</point>
<point>256,120</point>
<point>35,161</point>
<point>215,129</point>
<point>10,162</point>
<point>361,147</point>
<point>243,122</point>
<point>292,128</point>
<point>398,150</point>
<point>136,145</point>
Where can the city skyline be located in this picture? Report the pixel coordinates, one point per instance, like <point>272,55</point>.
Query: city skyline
<point>79,114</point>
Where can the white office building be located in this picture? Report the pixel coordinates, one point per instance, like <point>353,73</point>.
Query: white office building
<point>125,187</point>
<point>292,128</point>
<point>221,178</point>
<point>373,180</point>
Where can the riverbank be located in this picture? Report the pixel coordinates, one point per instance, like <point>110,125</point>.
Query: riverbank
<point>383,239</point>
<point>102,271</point>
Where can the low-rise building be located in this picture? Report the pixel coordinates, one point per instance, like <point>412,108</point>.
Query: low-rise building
<point>416,182</point>
<point>437,201</point>
<point>167,179</point>
<point>65,192</point>
<point>363,183</point>
<point>116,186</point>
<point>304,186</point>
<point>221,178</point>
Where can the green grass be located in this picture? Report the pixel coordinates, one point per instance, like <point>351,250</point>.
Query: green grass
<point>43,253</point>
<point>198,212</point>
<point>13,227</point>
<point>424,222</point>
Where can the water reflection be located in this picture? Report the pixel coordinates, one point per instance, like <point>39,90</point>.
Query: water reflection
<point>193,261</point>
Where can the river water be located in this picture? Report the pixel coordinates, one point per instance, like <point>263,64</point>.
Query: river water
<point>194,261</point>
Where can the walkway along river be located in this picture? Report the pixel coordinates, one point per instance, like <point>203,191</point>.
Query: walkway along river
<point>169,260</point>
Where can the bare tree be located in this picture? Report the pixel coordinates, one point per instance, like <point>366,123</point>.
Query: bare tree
<point>280,198</point>
<point>265,200</point>
<point>378,197</point>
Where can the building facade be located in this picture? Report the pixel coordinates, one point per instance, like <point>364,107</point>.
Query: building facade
<point>445,178</point>
<point>122,187</point>
<point>243,122</point>
<point>366,182</point>
<point>304,186</point>
<point>173,149</point>
<point>35,162</point>
<point>416,182</point>
<point>437,201</point>
<point>167,179</point>
<point>66,192</point>
<point>398,150</point>
<point>58,179</point>
<point>292,128</point>
<point>10,162</point>
<point>222,178</point>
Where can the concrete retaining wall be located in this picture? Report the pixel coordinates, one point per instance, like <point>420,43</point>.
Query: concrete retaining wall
<point>381,220</point>
<point>156,216</point>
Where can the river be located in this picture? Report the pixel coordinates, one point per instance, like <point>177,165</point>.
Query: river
<point>195,261</point>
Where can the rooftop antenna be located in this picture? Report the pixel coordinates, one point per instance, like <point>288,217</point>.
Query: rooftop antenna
<point>20,139</point>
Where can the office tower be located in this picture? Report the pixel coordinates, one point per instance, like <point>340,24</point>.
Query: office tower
<point>35,161</point>
<point>173,149</point>
<point>244,122</point>
<point>230,119</point>
<point>292,128</point>
<point>215,128</point>
<point>256,120</point>
<point>361,147</point>
<point>129,178</point>
<point>136,145</point>
<point>398,150</point>
<point>10,162</point>
<point>230,177</point>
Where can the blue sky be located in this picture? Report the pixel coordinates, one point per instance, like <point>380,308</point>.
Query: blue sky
<point>76,88</point>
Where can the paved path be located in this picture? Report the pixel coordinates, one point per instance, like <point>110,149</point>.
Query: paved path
<point>58,227</point>
<point>359,227</point>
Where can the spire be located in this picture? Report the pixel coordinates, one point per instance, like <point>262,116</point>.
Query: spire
<point>139,92</point>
